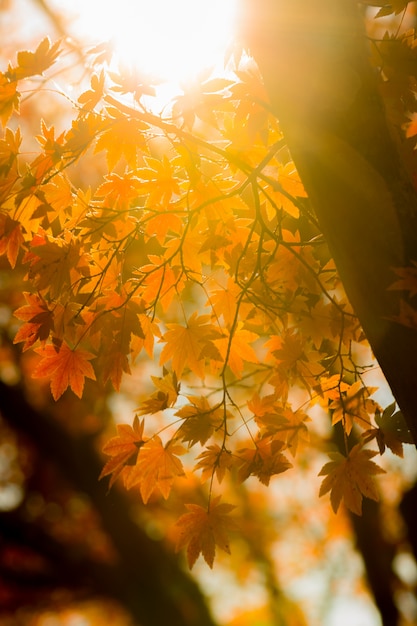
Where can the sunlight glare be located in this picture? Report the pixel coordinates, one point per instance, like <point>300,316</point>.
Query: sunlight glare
<point>173,40</point>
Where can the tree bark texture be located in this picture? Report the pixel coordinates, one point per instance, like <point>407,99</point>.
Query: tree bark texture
<point>314,59</point>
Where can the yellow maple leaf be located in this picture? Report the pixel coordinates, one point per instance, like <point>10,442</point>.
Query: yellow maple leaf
<point>201,530</point>
<point>185,344</point>
<point>156,468</point>
<point>354,406</point>
<point>9,147</point>
<point>224,302</point>
<point>66,367</point>
<point>200,420</point>
<point>158,181</point>
<point>350,478</point>
<point>92,96</point>
<point>31,63</point>
<point>123,137</point>
<point>237,349</point>
<point>9,99</point>
<point>166,394</point>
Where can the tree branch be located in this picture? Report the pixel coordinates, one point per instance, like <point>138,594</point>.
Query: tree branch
<point>333,119</point>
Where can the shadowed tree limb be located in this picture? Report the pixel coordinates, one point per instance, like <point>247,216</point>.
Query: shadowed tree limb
<point>333,119</point>
<point>148,579</point>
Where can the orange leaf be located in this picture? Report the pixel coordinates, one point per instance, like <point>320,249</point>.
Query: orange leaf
<point>38,318</point>
<point>156,467</point>
<point>9,99</point>
<point>122,448</point>
<point>114,365</point>
<point>354,406</point>
<point>11,238</point>
<point>65,367</point>
<point>201,530</point>
<point>32,63</point>
<point>200,420</point>
<point>214,460</point>
<point>185,344</point>
<point>239,349</point>
<point>350,478</point>
<point>263,461</point>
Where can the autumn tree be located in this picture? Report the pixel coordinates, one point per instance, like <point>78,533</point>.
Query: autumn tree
<point>207,253</point>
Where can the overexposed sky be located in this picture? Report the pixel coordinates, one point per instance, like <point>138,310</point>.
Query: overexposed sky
<point>173,39</point>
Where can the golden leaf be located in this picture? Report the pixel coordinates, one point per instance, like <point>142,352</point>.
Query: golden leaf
<point>156,468</point>
<point>350,478</point>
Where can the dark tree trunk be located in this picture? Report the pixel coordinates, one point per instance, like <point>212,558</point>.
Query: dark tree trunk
<point>145,579</point>
<point>313,57</point>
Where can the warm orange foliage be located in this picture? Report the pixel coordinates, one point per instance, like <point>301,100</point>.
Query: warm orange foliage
<point>201,530</point>
<point>195,248</point>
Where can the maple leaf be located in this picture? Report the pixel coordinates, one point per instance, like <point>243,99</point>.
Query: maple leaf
<point>92,96</point>
<point>165,396</point>
<point>185,344</point>
<point>114,364</point>
<point>156,468</point>
<point>268,411</point>
<point>83,132</point>
<point>119,191</point>
<point>200,420</point>
<point>158,181</point>
<point>289,182</point>
<point>350,478</point>
<point>39,321</point>
<point>201,530</point>
<point>32,63</point>
<point>224,302</point>
<point>9,99</point>
<point>9,149</point>
<point>214,459</point>
<point>131,81</point>
<point>287,349</point>
<point>408,279</point>
<point>65,367</point>
<point>354,406</point>
<point>56,263</point>
<point>103,52</point>
<point>122,138</point>
<point>263,460</point>
<point>123,449</point>
<point>391,431</point>
<point>237,348</point>
<point>407,315</point>
<point>11,238</point>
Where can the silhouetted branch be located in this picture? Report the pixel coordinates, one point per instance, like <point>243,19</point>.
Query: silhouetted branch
<point>148,580</point>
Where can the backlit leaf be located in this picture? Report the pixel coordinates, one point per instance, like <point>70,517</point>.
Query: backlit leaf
<point>65,368</point>
<point>201,530</point>
<point>157,467</point>
<point>184,345</point>
<point>123,449</point>
<point>350,478</point>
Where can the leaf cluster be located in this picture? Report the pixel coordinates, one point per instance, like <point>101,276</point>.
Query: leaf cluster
<point>196,250</point>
